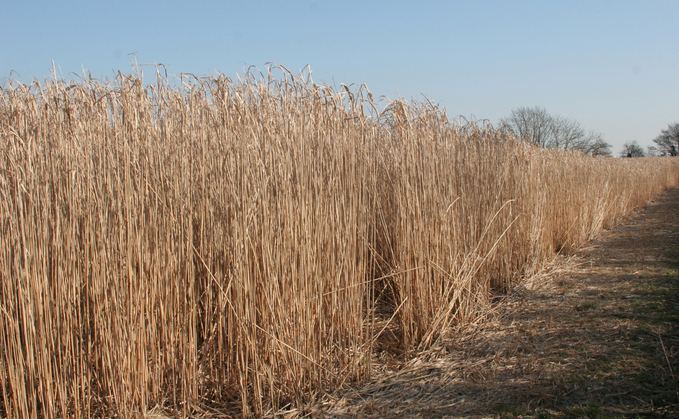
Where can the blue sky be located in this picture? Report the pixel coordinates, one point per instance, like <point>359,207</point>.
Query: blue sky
<point>611,65</point>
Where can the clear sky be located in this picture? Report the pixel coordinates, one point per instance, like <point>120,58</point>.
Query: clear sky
<point>611,65</point>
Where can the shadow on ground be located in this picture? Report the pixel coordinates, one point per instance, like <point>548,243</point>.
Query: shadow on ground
<point>597,338</point>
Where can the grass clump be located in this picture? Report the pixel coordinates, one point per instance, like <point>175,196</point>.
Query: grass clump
<point>221,243</point>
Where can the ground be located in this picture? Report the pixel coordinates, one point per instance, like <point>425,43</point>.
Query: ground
<point>597,336</point>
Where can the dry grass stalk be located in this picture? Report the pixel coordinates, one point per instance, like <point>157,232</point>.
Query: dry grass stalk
<point>243,242</point>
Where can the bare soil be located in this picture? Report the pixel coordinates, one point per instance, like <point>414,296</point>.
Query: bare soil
<point>597,336</point>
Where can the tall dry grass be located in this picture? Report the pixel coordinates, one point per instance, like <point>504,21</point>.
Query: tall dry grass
<point>250,242</point>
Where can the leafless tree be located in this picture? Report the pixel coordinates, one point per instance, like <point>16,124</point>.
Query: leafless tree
<point>537,126</point>
<point>531,124</point>
<point>566,133</point>
<point>668,140</point>
<point>595,145</point>
<point>653,151</point>
<point>632,149</point>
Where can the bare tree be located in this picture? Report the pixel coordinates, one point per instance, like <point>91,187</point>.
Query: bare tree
<point>566,133</point>
<point>652,151</point>
<point>537,126</point>
<point>668,140</point>
<point>531,124</point>
<point>632,149</point>
<point>595,145</point>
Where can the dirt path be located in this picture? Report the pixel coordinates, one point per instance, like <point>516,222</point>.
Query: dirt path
<point>598,337</point>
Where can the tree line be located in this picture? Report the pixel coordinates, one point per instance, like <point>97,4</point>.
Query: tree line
<point>539,127</point>
<point>666,144</point>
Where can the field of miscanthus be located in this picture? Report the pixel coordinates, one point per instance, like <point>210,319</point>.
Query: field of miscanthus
<point>252,243</point>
